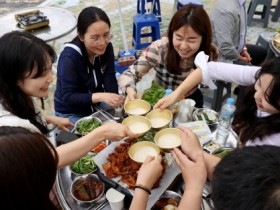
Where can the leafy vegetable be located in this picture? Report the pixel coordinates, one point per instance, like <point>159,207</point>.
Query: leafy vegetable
<point>86,126</point>
<point>84,166</point>
<point>149,136</point>
<point>154,93</point>
<point>223,153</point>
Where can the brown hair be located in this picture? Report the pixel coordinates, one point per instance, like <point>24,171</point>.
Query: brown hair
<point>28,163</point>
<point>196,17</point>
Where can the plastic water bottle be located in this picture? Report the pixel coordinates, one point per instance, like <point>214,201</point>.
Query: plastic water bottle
<point>118,77</point>
<point>118,111</point>
<point>226,117</point>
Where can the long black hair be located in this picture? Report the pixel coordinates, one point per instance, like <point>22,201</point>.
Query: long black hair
<point>246,123</point>
<point>20,53</point>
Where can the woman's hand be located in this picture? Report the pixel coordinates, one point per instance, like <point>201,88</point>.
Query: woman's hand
<point>131,93</point>
<point>114,131</point>
<point>150,172</point>
<point>190,142</point>
<point>193,171</point>
<point>112,99</point>
<point>167,101</point>
<point>60,122</point>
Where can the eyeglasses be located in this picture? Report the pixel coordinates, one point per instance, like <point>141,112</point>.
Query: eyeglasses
<point>96,40</point>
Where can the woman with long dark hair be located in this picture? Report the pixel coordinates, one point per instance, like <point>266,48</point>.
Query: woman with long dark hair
<point>25,74</point>
<point>257,117</point>
<point>172,57</point>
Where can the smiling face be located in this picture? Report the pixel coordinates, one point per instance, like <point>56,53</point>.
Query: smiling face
<point>37,87</point>
<point>96,38</point>
<point>186,41</point>
<point>262,87</point>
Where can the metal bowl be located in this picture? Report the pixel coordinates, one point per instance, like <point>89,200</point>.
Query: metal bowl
<point>140,150</point>
<point>168,138</point>
<point>137,124</point>
<point>83,119</point>
<point>137,107</point>
<point>210,116</point>
<point>160,118</point>
<point>74,174</point>
<point>168,198</point>
<point>87,189</point>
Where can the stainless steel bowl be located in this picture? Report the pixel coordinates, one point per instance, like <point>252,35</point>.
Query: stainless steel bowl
<point>87,189</point>
<point>83,119</point>
<point>168,197</point>
<point>74,174</point>
<point>203,113</point>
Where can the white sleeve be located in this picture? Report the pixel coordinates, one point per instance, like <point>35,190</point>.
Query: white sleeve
<point>11,120</point>
<point>242,75</point>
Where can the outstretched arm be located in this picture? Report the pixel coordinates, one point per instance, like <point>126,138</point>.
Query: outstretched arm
<point>148,174</point>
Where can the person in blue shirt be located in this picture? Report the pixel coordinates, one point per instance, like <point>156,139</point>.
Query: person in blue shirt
<point>86,72</point>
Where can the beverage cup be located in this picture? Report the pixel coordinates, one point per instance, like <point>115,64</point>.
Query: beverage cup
<point>115,198</point>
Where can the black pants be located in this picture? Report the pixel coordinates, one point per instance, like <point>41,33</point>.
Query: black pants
<point>197,96</point>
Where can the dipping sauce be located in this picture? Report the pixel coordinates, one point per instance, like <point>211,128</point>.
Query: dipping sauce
<point>158,122</point>
<point>138,127</point>
<point>143,152</point>
<point>137,111</point>
<point>169,141</point>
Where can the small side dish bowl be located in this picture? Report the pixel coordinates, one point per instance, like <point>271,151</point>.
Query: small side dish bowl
<point>86,124</point>
<point>210,116</point>
<point>168,200</point>
<point>140,150</point>
<point>87,189</point>
<point>137,107</point>
<point>137,124</point>
<point>160,118</point>
<point>83,166</point>
<point>168,138</point>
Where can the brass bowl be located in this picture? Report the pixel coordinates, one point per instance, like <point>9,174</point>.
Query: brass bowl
<point>137,107</point>
<point>140,150</point>
<point>160,118</point>
<point>137,124</point>
<point>168,138</point>
<point>276,41</point>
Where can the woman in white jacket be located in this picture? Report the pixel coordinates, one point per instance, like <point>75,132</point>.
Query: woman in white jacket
<point>257,119</point>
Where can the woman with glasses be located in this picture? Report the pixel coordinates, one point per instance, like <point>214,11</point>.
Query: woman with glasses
<point>86,71</point>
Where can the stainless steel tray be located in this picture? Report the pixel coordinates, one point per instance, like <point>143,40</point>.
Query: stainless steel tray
<point>64,181</point>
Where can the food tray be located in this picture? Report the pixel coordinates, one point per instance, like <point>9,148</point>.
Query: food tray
<point>32,20</point>
<point>63,183</point>
<point>171,172</point>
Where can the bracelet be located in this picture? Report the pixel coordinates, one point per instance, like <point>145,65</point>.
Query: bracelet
<point>143,188</point>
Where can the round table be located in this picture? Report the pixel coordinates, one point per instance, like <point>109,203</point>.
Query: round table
<point>61,23</point>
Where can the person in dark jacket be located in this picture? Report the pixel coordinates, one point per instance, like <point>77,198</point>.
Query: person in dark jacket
<point>86,72</point>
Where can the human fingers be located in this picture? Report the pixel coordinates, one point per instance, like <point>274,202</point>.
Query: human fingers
<point>160,104</point>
